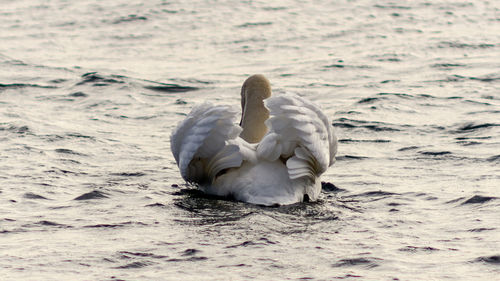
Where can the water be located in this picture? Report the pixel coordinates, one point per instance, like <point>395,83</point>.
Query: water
<point>90,91</point>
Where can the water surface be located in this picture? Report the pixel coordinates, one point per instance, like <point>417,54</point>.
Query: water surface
<point>90,92</point>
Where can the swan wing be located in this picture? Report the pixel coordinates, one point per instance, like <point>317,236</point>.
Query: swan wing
<point>199,143</point>
<point>300,133</point>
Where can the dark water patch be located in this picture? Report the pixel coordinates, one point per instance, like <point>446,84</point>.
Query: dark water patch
<point>130,18</point>
<point>455,200</point>
<point>56,170</point>
<point>234,265</point>
<point>495,259</point>
<point>191,259</point>
<point>469,127</point>
<point>180,102</point>
<point>351,157</point>
<point>447,65</point>
<point>392,7</point>
<point>365,262</point>
<point>468,143</point>
<point>96,194</point>
<point>22,85</point>
<point>478,199</point>
<point>46,223</point>
<point>58,80</point>
<point>389,81</point>
<point>136,264</point>
<point>156,205</point>
<point>389,59</point>
<point>79,136</point>
<point>190,252</point>
<point>128,255</point>
<point>341,65</point>
<point>30,195</point>
<point>53,224</point>
<point>460,45</point>
<point>370,125</point>
<point>368,100</point>
<point>14,129</point>
<point>322,85</point>
<point>330,187</point>
<point>363,141</point>
<point>68,151</point>
<point>460,78</point>
<point>78,95</point>
<point>254,24</point>
<point>99,80</point>
<point>481,229</point>
<point>260,242</point>
<point>400,95</point>
<point>131,174</point>
<point>435,153</point>
<point>373,195</point>
<point>495,158</point>
<point>171,88</point>
<point>414,249</point>
<point>406,148</point>
<point>484,111</point>
<point>114,225</point>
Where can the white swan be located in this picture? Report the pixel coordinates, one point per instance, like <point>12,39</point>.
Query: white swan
<point>275,157</point>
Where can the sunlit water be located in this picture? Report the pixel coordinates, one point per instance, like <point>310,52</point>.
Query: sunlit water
<point>90,91</point>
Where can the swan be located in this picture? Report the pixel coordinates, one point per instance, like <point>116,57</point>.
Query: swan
<point>275,155</point>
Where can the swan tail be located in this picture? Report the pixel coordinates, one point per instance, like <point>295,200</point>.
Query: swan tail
<point>202,136</point>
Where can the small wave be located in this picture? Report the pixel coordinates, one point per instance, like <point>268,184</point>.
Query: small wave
<point>495,259</point>
<point>460,45</point>
<point>473,127</point>
<point>481,229</point>
<point>478,199</point>
<point>30,195</point>
<point>370,125</point>
<point>51,223</point>
<point>171,88</point>
<point>460,78</point>
<point>114,225</point>
<point>131,174</point>
<point>96,194</point>
<point>261,241</point>
<point>365,262</point>
<point>447,65</point>
<point>392,7</point>
<point>78,95</point>
<point>22,85</point>
<point>254,24</point>
<point>330,187</point>
<point>136,264</point>
<point>495,158</point>
<point>364,141</point>
<point>99,80</point>
<point>127,255</point>
<point>68,151</point>
<point>435,153</point>
<point>406,148</point>
<point>414,249</point>
<point>130,18</point>
<point>351,157</point>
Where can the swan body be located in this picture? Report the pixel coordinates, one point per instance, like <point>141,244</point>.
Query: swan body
<point>274,157</point>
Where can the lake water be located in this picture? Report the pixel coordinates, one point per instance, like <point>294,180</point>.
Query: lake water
<point>90,92</point>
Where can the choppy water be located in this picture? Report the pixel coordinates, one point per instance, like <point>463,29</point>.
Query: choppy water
<point>90,91</point>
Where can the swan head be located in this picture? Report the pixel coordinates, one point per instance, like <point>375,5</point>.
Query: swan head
<point>253,93</point>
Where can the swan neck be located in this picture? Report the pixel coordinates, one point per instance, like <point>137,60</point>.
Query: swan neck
<point>254,91</point>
